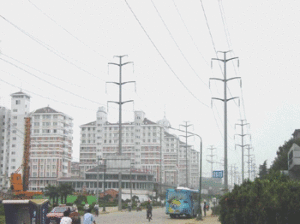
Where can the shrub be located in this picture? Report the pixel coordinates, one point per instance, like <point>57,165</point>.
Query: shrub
<point>271,200</point>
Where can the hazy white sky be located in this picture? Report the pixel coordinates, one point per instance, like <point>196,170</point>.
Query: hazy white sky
<point>58,52</point>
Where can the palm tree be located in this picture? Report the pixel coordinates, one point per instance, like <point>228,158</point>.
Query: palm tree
<point>64,190</point>
<point>51,191</point>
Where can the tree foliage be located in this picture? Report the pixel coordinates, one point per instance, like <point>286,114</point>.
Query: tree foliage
<point>263,170</point>
<point>271,200</point>
<point>281,160</point>
<point>62,191</point>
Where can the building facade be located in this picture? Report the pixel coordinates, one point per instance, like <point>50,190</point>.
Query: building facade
<point>149,145</point>
<point>140,183</point>
<point>12,136</point>
<point>51,147</point>
<point>5,131</point>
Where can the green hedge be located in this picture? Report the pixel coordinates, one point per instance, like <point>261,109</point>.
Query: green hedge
<point>275,200</point>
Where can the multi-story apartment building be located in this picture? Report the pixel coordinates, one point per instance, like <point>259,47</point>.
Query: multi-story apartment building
<point>51,147</point>
<point>149,145</point>
<point>4,146</point>
<point>12,136</point>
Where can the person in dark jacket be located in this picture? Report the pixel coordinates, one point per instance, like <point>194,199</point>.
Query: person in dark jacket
<point>204,208</point>
<point>149,209</point>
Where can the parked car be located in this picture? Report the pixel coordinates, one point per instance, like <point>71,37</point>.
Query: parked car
<point>57,213</point>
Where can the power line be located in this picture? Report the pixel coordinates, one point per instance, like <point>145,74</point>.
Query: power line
<point>65,103</point>
<point>163,56</point>
<point>165,25</point>
<point>49,82</point>
<point>182,20</point>
<point>49,48</point>
<point>206,20</point>
<point>66,29</point>
<point>62,80</point>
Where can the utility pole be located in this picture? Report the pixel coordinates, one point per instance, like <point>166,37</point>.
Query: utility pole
<point>211,161</point>
<point>234,174</point>
<point>253,166</point>
<point>120,102</point>
<point>225,100</point>
<point>242,145</point>
<point>249,161</point>
<point>186,150</point>
<point>160,169</point>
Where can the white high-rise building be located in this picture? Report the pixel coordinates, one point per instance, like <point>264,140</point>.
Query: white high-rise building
<point>12,136</point>
<point>51,147</point>
<point>4,146</point>
<point>149,145</point>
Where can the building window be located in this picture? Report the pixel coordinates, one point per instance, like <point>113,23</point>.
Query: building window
<point>15,110</point>
<point>36,131</point>
<point>18,102</point>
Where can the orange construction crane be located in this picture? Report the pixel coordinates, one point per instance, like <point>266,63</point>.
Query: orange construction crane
<point>18,186</point>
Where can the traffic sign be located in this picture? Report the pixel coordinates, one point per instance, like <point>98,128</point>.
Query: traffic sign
<point>218,174</point>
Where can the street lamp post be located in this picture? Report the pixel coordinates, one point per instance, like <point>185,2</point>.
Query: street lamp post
<point>104,166</point>
<point>98,168</point>
<point>130,187</point>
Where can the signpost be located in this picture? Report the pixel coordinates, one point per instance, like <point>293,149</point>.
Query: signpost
<point>218,174</point>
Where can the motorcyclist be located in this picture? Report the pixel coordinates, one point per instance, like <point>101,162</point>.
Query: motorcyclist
<point>149,209</point>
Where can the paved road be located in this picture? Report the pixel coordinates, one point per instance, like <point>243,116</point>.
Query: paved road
<point>159,216</point>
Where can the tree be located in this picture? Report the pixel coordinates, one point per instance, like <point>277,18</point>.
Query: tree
<point>263,171</point>
<point>281,161</point>
<point>51,191</point>
<point>64,190</point>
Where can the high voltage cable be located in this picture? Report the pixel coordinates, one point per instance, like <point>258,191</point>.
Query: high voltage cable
<point>49,82</point>
<point>66,29</point>
<point>62,102</point>
<point>22,80</point>
<point>48,48</point>
<point>166,62</point>
<point>182,20</point>
<point>227,34</point>
<point>162,55</point>
<point>44,72</point>
<point>46,97</point>
<point>206,20</point>
<point>176,43</point>
<point>213,43</point>
<point>224,25</point>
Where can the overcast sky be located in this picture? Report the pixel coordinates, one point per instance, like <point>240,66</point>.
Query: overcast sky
<point>58,52</point>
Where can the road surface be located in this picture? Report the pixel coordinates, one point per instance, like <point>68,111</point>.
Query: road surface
<point>115,217</point>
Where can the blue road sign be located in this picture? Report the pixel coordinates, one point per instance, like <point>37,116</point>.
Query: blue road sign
<point>218,174</point>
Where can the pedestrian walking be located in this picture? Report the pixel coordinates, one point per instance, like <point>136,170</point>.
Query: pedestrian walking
<point>204,208</point>
<point>66,219</point>
<point>96,208</point>
<point>88,218</point>
<point>86,207</point>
